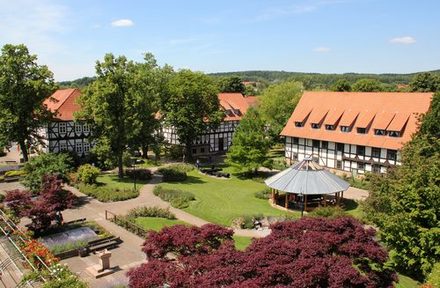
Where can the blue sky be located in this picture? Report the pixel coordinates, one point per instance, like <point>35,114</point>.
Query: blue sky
<point>325,36</point>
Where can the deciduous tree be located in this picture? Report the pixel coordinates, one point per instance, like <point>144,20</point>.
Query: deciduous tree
<point>277,103</point>
<point>425,82</point>
<point>24,85</point>
<point>341,85</point>
<point>311,252</point>
<point>405,204</point>
<point>121,104</point>
<point>367,85</point>
<point>232,84</point>
<point>250,143</point>
<point>191,106</point>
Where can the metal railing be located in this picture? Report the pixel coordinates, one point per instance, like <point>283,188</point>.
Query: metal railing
<point>127,225</point>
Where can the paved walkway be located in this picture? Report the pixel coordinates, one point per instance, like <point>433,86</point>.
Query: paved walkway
<point>129,253</point>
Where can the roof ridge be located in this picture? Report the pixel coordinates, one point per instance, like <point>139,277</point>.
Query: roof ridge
<point>68,96</point>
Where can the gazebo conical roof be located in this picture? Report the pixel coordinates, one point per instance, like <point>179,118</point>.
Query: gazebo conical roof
<point>307,178</point>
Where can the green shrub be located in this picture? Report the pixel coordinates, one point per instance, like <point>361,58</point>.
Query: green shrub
<point>434,276</point>
<point>15,173</point>
<point>107,194</point>
<point>174,152</point>
<point>2,152</point>
<point>328,212</point>
<point>177,198</point>
<point>139,174</point>
<point>263,194</point>
<point>248,221</point>
<point>37,167</point>
<point>172,175</point>
<point>150,212</point>
<point>2,197</point>
<point>87,174</point>
<point>2,178</point>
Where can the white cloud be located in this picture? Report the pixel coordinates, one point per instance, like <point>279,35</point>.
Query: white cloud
<point>322,49</point>
<point>122,23</point>
<point>405,40</point>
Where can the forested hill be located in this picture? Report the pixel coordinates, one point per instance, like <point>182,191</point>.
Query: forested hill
<point>318,80</point>
<point>310,80</point>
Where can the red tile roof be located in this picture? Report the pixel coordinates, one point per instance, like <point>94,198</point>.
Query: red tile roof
<point>63,103</point>
<point>391,111</point>
<point>236,105</point>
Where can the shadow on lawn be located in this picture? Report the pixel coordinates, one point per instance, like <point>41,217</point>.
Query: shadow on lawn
<point>193,180</point>
<point>350,204</point>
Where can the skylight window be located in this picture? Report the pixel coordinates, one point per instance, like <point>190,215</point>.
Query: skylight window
<point>315,125</point>
<point>329,127</point>
<point>380,132</point>
<point>299,124</point>
<point>345,128</point>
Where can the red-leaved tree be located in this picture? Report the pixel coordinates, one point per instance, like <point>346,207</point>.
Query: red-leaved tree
<point>41,210</point>
<point>311,252</point>
<point>18,201</point>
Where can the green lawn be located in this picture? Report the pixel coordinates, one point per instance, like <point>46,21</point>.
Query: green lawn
<point>113,181</point>
<point>406,282</point>
<point>156,223</point>
<point>222,200</point>
<point>241,242</point>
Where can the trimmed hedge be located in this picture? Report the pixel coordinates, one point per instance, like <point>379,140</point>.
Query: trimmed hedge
<point>106,194</point>
<point>150,212</point>
<point>175,172</point>
<point>140,174</point>
<point>177,198</point>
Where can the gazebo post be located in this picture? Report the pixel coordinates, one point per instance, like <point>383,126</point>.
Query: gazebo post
<point>273,196</point>
<point>337,199</point>
<point>305,202</point>
<point>287,201</point>
<point>342,195</point>
<point>325,200</point>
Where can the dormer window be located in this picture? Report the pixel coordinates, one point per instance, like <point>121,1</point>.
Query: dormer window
<point>345,128</point>
<point>228,112</point>
<point>315,125</point>
<point>299,124</point>
<point>329,127</point>
<point>237,112</point>
<point>362,130</point>
<point>380,132</point>
<point>394,133</point>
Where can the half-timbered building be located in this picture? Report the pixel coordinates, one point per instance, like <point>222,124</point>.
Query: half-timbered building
<point>63,133</point>
<point>353,131</point>
<point>217,140</point>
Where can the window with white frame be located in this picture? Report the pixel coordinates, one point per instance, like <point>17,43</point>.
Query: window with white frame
<point>86,128</point>
<point>63,146</point>
<point>62,127</point>
<point>79,147</point>
<point>78,128</point>
<point>86,147</point>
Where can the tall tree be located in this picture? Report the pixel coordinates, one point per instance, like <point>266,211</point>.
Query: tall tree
<point>250,143</point>
<point>24,85</point>
<point>367,85</point>
<point>425,82</point>
<point>232,84</point>
<point>191,106</point>
<point>120,103</point>
<point>341,85</point>
<point>405,204</point>
<point>277,103</point>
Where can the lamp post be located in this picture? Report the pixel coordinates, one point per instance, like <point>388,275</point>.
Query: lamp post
<point>133,159</point>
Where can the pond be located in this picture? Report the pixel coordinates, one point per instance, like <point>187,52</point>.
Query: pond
<point>70,236</point>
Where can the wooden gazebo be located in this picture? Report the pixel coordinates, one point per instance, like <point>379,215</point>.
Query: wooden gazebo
<point>305,183</point>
